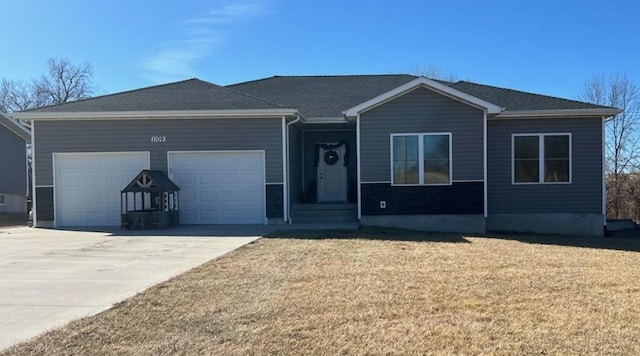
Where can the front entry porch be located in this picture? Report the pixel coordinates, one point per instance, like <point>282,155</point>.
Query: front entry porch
<point>329,166</point>
<point>323,173</point>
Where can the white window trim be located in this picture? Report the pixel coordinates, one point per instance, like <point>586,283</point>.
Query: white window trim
<point>3,199</point>
<point>541,137</point>
<point>421,158</point>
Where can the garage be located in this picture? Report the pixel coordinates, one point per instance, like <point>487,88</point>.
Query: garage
<point>87,186</point>
<point>220,187</point>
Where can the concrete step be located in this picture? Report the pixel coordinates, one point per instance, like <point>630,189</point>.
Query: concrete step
<point>350,212</point>
<point>322,219</point>
<point>324,213</point>
<point>324,206</point>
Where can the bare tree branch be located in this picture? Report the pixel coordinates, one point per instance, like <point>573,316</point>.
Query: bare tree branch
<point>622,135</point>
<point>434,73</point>
<point>64,81</point>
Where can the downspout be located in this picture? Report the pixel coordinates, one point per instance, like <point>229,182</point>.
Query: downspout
<point>604,173</point>
<point>485,167</point>
<point>34,216</point>
<point>287,196</point>
<point>358,167</point>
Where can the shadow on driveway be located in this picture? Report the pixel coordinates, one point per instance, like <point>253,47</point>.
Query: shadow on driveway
<point>318,232</point>
<point>183,231</point>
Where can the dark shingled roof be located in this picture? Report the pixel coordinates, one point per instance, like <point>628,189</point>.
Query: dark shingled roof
<point>313,96</point>
<point>161,183</point>
<point>192,94</point>
<point>514,100</point>
<point>322,96</point>
<point>329,96</point>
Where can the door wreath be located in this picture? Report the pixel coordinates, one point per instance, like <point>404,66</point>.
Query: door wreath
<point>331,156</point>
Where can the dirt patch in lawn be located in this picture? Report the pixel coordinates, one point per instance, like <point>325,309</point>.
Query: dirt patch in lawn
<point>377,292</point>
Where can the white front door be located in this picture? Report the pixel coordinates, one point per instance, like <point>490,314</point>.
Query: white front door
<point>219,187</point>
<point>332,175</point>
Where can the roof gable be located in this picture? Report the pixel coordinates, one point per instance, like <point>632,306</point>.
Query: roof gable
<point>422,82</point>
<point>151,181</point>
<point>330,96</point>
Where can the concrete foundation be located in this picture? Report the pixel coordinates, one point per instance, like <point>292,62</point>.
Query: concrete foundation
<point>276,221</point>
<point>563,224</point>
<point>468,224</point>
<point>620,224</point>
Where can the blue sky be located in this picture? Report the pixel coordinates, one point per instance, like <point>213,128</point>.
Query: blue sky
<point>543,46</point>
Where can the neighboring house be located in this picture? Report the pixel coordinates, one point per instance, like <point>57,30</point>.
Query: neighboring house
<point>405,151</point>
<point>14,187</point>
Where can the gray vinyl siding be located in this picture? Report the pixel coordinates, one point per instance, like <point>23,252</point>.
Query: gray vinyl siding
<point>135,135</point>
<point>422,111</point>
<point>295,164</point>
<point>13,163</point>
<point>582,195</point>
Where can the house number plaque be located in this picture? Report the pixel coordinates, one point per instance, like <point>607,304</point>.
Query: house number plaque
<point>158,139</point>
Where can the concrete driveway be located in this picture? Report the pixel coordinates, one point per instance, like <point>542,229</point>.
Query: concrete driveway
<point>50,277</point>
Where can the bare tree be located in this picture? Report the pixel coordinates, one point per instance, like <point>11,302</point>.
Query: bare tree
<point>63,82</point>
<point>622,135</point>
<point>432,72</point>
<point>15,95</point>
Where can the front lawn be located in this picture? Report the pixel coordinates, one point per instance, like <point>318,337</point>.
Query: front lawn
<point>380,292</point>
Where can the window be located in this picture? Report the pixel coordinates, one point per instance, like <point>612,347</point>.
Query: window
<point>421,159</point>
<point>2,199</point>
<point>541,158</point>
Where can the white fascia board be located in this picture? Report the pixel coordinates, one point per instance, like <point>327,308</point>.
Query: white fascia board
<point>157,114</point>
<point>15,127</point>
<point>560,113</point>
<point>429,84</point>
<point>325,120</point>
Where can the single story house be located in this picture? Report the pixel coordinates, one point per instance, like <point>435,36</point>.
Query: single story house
<point>396,150</point>
<point>14,185</point>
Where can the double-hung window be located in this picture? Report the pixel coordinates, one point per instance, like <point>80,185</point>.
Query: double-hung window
<point>541,158</point>
<point>421,159</point>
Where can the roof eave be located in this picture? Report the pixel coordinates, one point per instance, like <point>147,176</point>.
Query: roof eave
<point>455,94</point>
<point>15,127</point>
<point>326,120</point>
<point>155,114</point>
<point>558,113</point>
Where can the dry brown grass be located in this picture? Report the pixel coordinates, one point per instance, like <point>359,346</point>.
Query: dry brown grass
<point>445,295</point>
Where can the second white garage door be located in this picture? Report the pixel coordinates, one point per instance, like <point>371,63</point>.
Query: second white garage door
<point>219,187</point>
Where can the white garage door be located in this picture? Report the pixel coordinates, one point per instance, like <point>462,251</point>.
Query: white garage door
<point>219,187</point>
<point>88,185</point>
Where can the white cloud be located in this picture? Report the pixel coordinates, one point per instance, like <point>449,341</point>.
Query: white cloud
<point>175,59</point>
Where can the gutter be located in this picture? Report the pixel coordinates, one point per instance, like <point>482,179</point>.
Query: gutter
<point>529,114</point>
<point>288,195</point>
<point>156,114</point>
<point>17,128</point>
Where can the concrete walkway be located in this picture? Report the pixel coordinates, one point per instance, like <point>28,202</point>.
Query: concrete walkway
<point>50,277</point>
